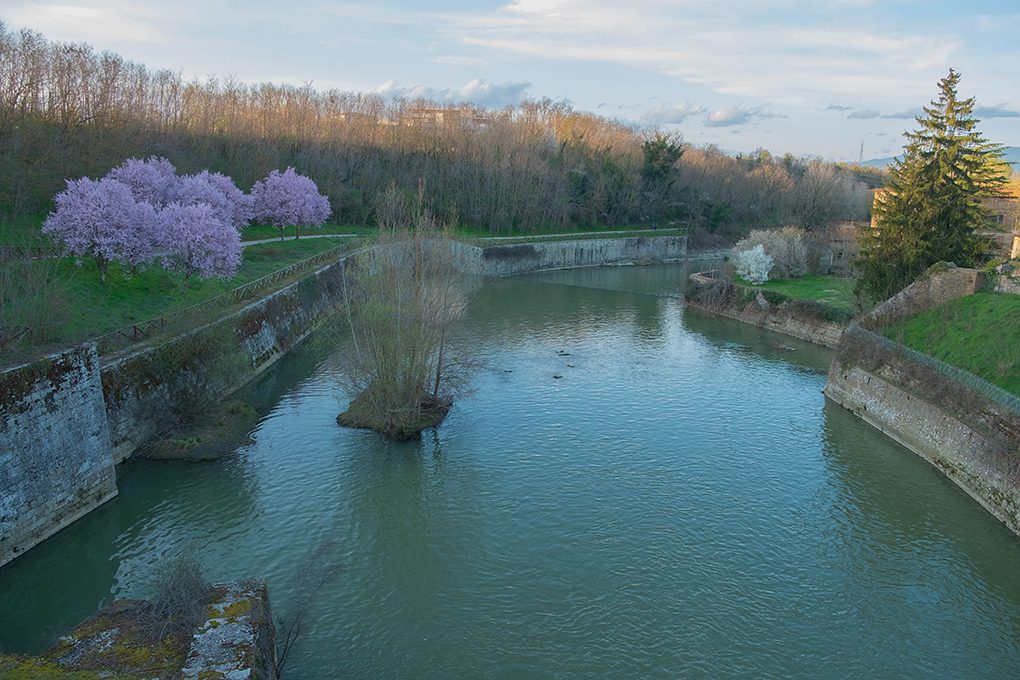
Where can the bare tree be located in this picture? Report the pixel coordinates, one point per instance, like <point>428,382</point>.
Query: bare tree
<point>399,299</point>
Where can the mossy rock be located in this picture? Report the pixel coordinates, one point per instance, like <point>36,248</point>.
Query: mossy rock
<point>117,642</point>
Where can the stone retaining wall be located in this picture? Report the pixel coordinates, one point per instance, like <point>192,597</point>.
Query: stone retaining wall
<point>1008,284</point>
<point>967,429</point>
<point>151,390</point>
<point>928,292</point>
<point>783,318</point>
<point>507,260</point>
<point>973,440</point>
<point>796,318</point>
<point>55,463</point>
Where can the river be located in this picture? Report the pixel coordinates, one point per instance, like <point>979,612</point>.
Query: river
<point>631,490</point>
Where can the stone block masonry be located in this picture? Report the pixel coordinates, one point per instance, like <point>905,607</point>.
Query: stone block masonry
<point>973,440</point>
<point>55,463</point>
<point>507,260</point>
<point>236,641</point>
<point>966,428</point>
<point>149,391</point>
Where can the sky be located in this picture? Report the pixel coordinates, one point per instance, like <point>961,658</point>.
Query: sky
<point>808,77</point>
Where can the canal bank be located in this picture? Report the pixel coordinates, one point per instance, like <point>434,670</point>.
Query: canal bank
<point>966,427</point>
<point>803,319</point>
<point>66,421</point>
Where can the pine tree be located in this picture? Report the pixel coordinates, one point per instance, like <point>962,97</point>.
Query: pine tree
<point>931,209</point>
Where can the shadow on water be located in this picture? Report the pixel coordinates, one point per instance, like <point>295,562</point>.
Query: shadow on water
<point>203,498</point>
<point>906,503</point>
<point>742,337</point>
<point>902,537</point>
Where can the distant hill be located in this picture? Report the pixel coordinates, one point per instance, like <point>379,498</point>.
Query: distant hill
<point>1012,156</point>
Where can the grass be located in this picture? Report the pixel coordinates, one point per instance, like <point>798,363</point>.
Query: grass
<point>92,308</point>
<point>831,290</point>
<point>23,231</point>
<point>977,333</point>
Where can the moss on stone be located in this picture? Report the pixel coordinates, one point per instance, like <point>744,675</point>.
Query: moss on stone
<point>238,608</point>
<point>34,668</point>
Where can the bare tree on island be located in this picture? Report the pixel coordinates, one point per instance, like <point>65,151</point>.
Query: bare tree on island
<point>399,300</point>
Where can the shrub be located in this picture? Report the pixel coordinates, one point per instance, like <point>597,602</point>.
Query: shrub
<point>177,605</point>
<point>753,264</point>
<point>785,246</point>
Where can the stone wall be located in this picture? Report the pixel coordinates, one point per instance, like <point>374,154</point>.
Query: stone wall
<point>1008,284</point>
<point>967,428</point>
<point>507,260</point>
<point>787,318</point>
<point>928,292</point>
<point>55,462</point>
<point>150,391</point>
<point>972,439</point>
<point>236,640</point>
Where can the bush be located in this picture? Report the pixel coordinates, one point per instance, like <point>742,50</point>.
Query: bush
<point>177,605</point>
<point>785,246</point>
<point>753,264</point>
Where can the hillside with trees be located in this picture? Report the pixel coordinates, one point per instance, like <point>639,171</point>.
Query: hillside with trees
<point>67,111</point>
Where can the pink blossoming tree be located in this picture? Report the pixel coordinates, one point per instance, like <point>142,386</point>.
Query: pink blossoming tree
<point>286,199</point>
<point>194,240</point>
<point>101,219</point>
<point>151,181</point>
<point>228,203</point>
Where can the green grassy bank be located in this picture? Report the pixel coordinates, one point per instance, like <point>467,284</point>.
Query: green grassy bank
<point>978,333</point>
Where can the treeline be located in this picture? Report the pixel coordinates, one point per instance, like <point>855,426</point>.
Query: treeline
<point>69,111</point>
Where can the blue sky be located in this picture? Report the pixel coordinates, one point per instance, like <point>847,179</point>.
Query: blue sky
<point>811,77</point>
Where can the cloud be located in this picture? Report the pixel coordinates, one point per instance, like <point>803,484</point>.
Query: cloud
<point>737,115</point>
<point>479,92</point>
<point>864,114</point>
<point>909,114</point>
<point>838,107</point>
<point>743,49</point>
<point>100,21</point>
<point>678,113</point>
<point>999,111</point>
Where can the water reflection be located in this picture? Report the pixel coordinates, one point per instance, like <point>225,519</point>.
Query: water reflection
<point>679,501</point>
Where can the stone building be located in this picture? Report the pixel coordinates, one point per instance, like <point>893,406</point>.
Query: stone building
<point>1005,212</point>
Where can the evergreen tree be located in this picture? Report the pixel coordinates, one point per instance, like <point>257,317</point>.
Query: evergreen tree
<point>931,209</point>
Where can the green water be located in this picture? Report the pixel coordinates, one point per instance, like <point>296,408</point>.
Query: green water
<point>682,502</point>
